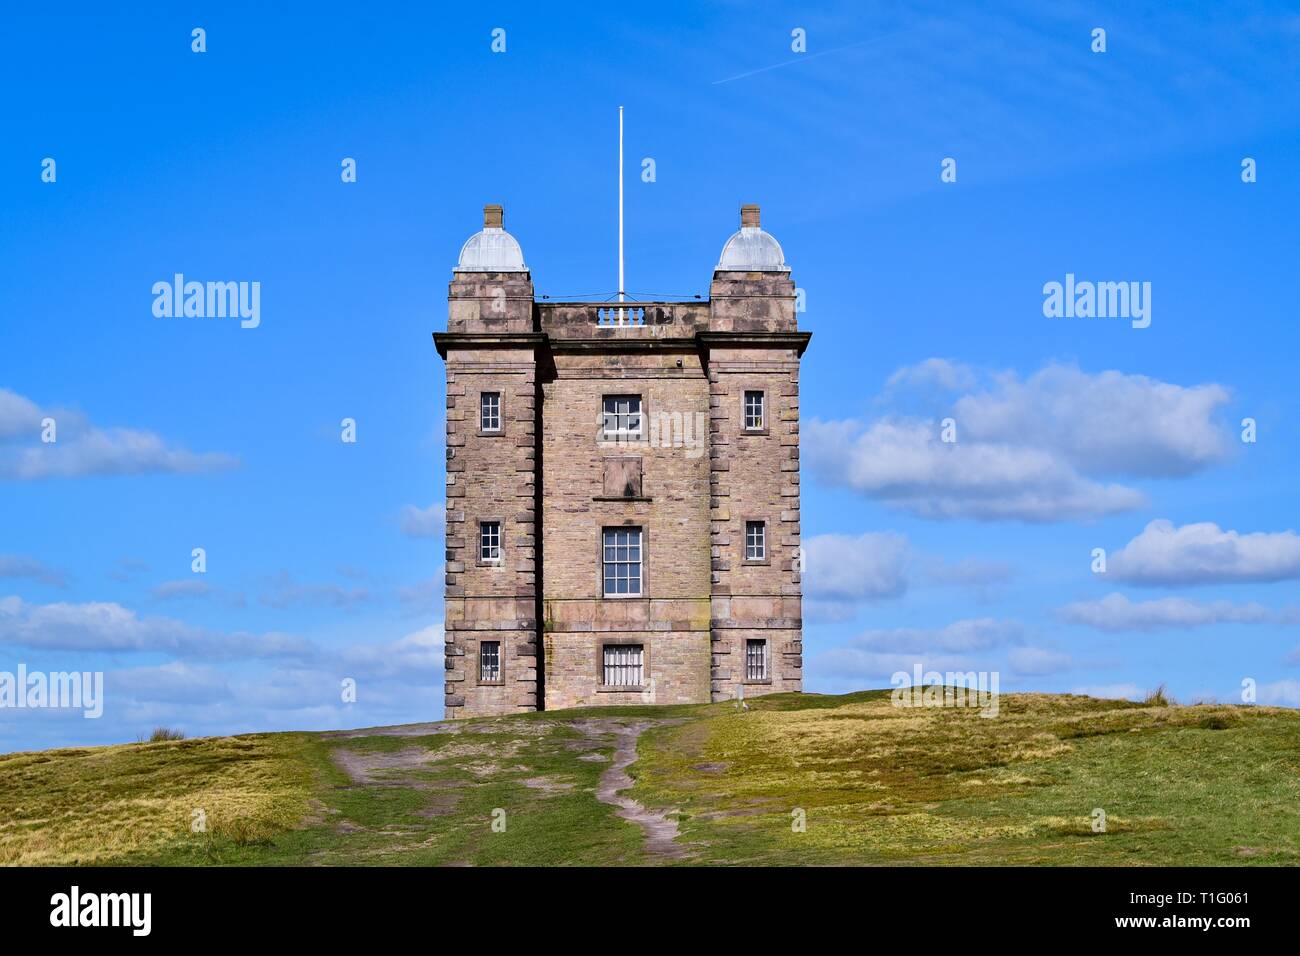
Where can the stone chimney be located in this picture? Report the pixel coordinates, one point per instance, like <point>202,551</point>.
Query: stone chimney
<point>749,215</point>
<point>493,216</point>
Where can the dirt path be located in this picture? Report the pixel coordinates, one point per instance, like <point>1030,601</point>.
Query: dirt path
<point>378,768</point>
<point>400,730</point>
<point>660,830</point>
<point>395,768</point>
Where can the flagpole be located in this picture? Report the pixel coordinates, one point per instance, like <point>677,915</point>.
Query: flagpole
<point>620,210</point>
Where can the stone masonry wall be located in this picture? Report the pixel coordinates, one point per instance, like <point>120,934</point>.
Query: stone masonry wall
<point>671,619</point>
<point>755,477</point>
<point>490,477</point>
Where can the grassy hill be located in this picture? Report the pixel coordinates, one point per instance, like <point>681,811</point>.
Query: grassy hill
<point>709,784</point>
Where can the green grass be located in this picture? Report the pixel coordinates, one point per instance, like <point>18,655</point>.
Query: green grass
<point>1203,785</point>
<point>873,783</point>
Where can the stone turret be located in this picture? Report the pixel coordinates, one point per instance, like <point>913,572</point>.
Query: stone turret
<point>491,288</point>
<point>752,290</point>
<point>754,349</point>
<point>490,594</point>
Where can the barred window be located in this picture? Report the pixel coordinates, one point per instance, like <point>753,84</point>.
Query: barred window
<point>624,665</point>
<point>622,561</point>
<point>622,416</point>
<point>490,411</point>
<point>756,660</point>
<point>754,411</point>
<point>489,661</point>
<point>489,541</point>
<point>755,541</point>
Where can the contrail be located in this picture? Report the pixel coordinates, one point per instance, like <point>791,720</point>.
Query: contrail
<point>802,57</point>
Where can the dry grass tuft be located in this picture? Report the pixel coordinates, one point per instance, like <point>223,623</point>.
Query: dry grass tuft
<point>81,806</point>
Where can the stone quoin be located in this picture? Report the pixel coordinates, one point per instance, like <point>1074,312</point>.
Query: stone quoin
<point>622,487</point>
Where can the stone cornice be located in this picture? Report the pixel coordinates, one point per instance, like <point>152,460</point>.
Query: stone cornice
<point>486,340</point>
<point>621,343</point>
<point>762,340</point>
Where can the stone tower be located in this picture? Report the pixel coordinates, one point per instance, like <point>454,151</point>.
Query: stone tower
<point>622,487</point>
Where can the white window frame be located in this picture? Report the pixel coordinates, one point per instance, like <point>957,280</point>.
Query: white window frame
<point>622,430</point>
<point>755,544</point>
<point>484,674</point>
<point>487,531</point>
<point>489,410</point>
<point>618,553</point>
<point>760,419</point>
<point>623,665</point>
<point>756,664</point>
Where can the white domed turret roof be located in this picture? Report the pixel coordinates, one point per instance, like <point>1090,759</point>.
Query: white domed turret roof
<point>751,249</point>
<point>493,249</point>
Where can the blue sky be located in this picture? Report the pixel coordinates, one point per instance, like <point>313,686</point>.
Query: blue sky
<point>925,300</point>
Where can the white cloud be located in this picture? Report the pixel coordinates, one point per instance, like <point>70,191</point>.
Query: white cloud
<point>1283,693</point>
<point>841,572</point>
<point>1036,661</point>
<point>1103,423</point>
<point>109,627</point>
<point>418,653</point>
<point>195,588</point>
<point>904,463</point>
<point>1115,612</point>
<point>815,609</point>
<point>292,690</point>
<point>423,594</point>
<point>1041,449</point>
<point>127,568</point>
<point>1111,691</point>
<point>873,656</point>
<point>19,416</point>
<point>19,566</point>
<point>853,668</point>
<point>82,449</point>
<point>934,372</point>
<point>182,588</point>
<point>173,682</point>
<point>424,522</point>
<point>415,659</point>
<point>213,683</point>
<point>977,634</point>
<point>1204,554</point>
<point>970,572</point>
<point>870,566</point>
<point>284,591</point>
